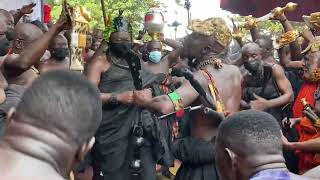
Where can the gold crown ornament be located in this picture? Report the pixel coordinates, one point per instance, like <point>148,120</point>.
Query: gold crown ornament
<point>312,21</point>
<point>250,23</point>
<point>213,27</point>
<point>314,46</point>
<point>286,38</point>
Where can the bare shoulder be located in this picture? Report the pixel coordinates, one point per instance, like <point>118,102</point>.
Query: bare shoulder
<point>277,70</point>
<point>100,61</point>
<point>232,70</point>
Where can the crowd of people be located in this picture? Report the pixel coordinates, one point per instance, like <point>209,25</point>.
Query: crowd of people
<point>143,111</point>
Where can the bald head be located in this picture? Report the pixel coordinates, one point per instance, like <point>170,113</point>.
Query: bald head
<point>251,52</point>
<point>27,31</point>
<point>25,34</point>
<point>60,41</point>
<point>251,47</point>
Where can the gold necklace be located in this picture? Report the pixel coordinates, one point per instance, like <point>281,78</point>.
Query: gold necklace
<point>217,63</point>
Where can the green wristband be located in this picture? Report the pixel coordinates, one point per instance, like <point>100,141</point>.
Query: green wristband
<point>174,96</point>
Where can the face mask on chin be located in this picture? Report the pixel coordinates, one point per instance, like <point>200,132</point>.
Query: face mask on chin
<point>120,49</point>
<point>4,46</point>
<point>253,67</point>
<point>60,53</point>
<point>155,56</point>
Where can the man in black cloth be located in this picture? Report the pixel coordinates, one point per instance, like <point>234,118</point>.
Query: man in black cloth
<point>249,146</point>
<point>114,150</point>
<point>52,129</point>
<point>266,87</point>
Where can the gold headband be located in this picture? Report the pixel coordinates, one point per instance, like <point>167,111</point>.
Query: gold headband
<point>213,27</point>
<point>286,38</point>
<point>312,21</point>
<point>313,46</point>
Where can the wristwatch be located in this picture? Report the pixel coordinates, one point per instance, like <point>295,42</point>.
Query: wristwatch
<point>113,100</point>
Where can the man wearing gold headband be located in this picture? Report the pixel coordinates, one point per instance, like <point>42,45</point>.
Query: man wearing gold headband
<point>205,48</point>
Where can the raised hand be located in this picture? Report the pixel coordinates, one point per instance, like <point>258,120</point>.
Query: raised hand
<point>27,9</point>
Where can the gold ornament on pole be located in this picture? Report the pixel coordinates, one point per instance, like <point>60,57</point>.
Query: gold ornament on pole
<point>313,21</point>
<point>252,22</point>
<point>80,21</point>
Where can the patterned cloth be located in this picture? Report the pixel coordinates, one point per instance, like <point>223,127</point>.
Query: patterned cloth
<point>273,174</point>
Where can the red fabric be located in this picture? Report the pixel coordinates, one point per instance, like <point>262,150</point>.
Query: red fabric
<point>47,13</point>
<point>307,91</point>
<point>308,160</point>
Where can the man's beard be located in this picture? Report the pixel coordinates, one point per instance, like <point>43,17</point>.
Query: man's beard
<point>257,74</point>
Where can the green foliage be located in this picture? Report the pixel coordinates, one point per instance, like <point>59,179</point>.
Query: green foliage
<point>134,10</point>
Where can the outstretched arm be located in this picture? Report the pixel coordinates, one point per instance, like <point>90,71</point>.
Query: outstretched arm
<point>27,9</point>
<point>254,33</point>
<point>312,145</point>
<point>163,104</point>
<point>16,65</point>
<point>294,46</point>
<point>285,60</point>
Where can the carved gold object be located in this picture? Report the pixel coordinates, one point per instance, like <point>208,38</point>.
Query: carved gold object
<point>313,21</point>
<point>250,23</point>
<point>313,46</point>
<point>237,34</point>
<point>278,11</point>
<point>307,107</point>
<point>287,38</point>
<point>215,27</point>
<point>80,21</point>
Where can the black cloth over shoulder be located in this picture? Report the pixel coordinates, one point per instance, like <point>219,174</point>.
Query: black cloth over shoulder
<point>113,150</point>
<point>197,157</point>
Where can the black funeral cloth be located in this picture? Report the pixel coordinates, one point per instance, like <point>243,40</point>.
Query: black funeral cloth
<point>13,97</point>
<point>123,172</point>
<point>197,157</point>
<point>267,89</point>
<point>115,129</point>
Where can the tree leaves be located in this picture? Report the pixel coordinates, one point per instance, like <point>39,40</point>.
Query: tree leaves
<point>134,10</point>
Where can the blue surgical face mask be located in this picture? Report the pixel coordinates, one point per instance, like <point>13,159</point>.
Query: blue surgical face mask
<point>155,56</point>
